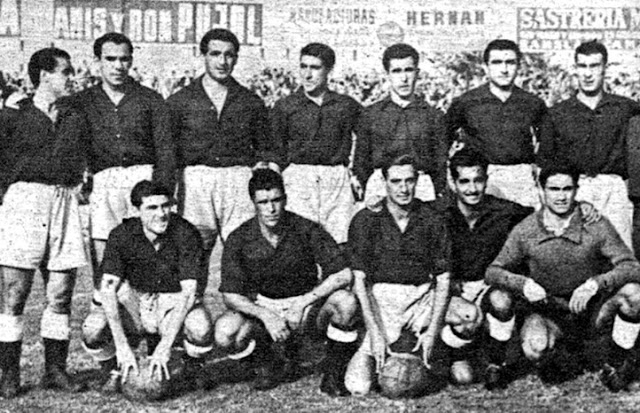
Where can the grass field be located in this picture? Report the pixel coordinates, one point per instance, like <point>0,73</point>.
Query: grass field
<point>585,394</point>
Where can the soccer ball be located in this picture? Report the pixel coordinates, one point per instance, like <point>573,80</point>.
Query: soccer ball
<point>405,375</point>
<point>143,388</point>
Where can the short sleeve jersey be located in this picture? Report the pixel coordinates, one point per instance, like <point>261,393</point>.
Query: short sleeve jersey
<point>131,256</point>
<point>251,265</point>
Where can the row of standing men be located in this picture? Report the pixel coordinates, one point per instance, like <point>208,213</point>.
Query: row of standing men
<point>206,139</point>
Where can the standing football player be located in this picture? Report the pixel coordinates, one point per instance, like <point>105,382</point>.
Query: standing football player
<point>401,123</point>
<point>129,137</point>
<point>501,121</point>
<point>221,130</point>
<point>42,166</point>
<point>588,131</point>
<point>315,126</point>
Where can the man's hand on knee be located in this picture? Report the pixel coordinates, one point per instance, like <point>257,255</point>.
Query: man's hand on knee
<point>276,326</point>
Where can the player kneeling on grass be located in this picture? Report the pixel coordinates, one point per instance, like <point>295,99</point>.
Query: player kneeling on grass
<point>40,226</point>
<point>400,260</point>
<point>152,266</point>
<point>274,296</point>
<point>582,281</point>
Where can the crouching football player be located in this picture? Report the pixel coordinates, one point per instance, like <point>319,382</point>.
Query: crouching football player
<point>152,266</point>
<point>482,319</point>
<point>271,287</point>
<point>400,260</point>
<point>582,280</point>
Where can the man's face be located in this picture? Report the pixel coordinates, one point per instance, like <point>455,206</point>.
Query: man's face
<point>558,194</point>
<point>470,184</point>
<point>403,74</point>
<point>60,80</point>
<point>502,68</point>
<point>154,213</point>
<point>401,184</point>
<point>314,75</point>
<point>115,62</point>
<point>590,70</point>
<point>269,206</point>
<point>220,59</point>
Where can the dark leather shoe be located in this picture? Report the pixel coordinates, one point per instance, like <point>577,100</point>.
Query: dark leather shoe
<point>59,380</point>
<point>268,376</point>
<point>10,386</point>
<point>113,385</point>
<point>494,378</point>
<point>618,378</point>
<point>333,385</point>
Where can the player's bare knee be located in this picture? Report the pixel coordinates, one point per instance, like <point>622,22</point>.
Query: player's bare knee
<point>198,328</point>
<point>629,295</point>
<point>15,296</point>
<point>343,306</point>
<point>95,331</point>
<point>59,298</point>
<point>226,329</point>
<point>534,345</point>
<point>501,302</point>
<point>462,372</point>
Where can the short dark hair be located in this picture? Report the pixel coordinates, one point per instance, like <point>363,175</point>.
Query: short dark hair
<point>112,37</point>
<point>399,51</point>
<point>223,35</point>
<point>398,160</point>
<point>552,170</point>
<point>44,59</point>
<point>146,188</point>
<point>265,179</point>
<point>467,157</point>
<point>592,47</point>
<point>322,52</point>
<point>501,44</point>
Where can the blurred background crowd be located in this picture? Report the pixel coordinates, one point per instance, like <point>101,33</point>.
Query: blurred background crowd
<point>443,77</point>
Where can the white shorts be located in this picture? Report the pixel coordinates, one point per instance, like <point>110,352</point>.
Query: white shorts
<point>516,183</point>
<point>396,304</point>
<point>425,190</point>
<point>474,291</point>
<point>111,197</point>
<point>609,195</point>
<point>40,222</point>
<point>322,194</point>
<point>216,200</point>
<point>281,305</point>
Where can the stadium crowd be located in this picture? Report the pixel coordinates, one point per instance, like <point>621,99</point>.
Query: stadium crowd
<point>470,222</point>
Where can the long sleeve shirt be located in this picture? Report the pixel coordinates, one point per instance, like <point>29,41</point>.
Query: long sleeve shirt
<point>473,249</point>
<point>561,263</point>
<point>238,135</point>
<point>33,148</point>
<point>502,131</point>
<point>591,140</point>
<point>133,132</point>
<point>386,129</point>
<point>315,135</point>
